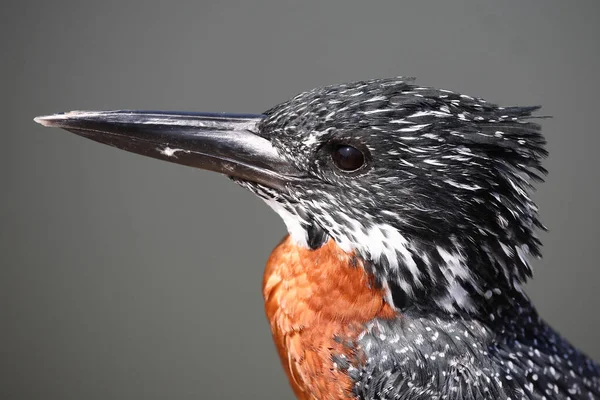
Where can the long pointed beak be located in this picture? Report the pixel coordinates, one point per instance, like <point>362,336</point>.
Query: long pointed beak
<point>224,143</point>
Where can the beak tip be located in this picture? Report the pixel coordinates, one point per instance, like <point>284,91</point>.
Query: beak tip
<point>58,119</point>
<point>40,120</point>
<point>48,120</point>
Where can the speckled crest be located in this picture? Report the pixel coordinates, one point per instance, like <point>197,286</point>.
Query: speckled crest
<point>440,213</point>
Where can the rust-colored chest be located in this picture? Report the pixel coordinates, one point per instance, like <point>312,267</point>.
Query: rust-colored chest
<point>312,297</point>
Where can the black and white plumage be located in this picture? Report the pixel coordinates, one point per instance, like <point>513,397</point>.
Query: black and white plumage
<point>440,211</point>
<point>430,190</point>
<point>442,217</point>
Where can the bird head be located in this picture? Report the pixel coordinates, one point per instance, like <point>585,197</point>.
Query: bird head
<point>429,188</point>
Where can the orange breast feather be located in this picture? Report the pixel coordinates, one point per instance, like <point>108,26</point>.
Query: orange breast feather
<point>312,296</point>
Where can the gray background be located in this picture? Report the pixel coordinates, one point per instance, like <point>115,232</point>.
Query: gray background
<point>123,277</point>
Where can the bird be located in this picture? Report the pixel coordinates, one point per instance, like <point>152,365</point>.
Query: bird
<point>410,232</point>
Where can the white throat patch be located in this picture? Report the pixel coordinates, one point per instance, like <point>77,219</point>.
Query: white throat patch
<point>292,222</point>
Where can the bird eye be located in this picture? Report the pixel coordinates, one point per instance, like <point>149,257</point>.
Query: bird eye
<point>347,158</point>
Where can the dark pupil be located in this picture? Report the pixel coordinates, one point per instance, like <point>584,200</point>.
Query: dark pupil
<point>348,158</point>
